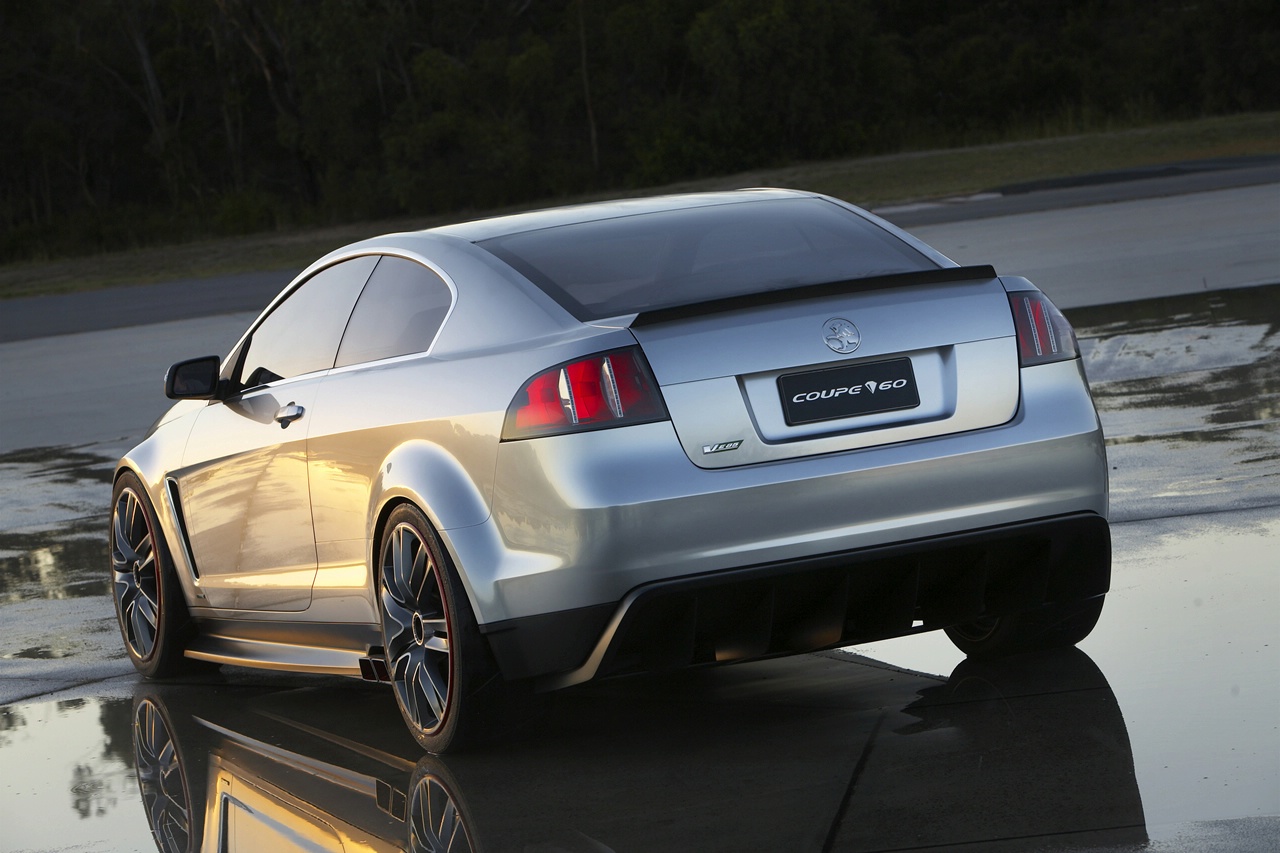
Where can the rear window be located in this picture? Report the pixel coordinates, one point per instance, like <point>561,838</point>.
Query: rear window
<point>672,258</point>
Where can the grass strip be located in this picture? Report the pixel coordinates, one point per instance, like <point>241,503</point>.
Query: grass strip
<point>868,181</point>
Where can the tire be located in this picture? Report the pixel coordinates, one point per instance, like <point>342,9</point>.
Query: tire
<point>443,674</point>
<point>150,609</point>
<point>1049,627</point>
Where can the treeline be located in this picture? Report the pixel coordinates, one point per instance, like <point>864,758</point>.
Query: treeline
<point>135,121</point>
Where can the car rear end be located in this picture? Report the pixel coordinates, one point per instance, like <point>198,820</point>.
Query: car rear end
<point>809,445</point>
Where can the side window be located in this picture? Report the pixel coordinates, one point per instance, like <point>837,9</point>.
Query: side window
<point>399,313</point>
<point>301,335</point>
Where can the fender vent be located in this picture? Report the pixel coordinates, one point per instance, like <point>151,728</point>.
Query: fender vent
<point>180,522</point>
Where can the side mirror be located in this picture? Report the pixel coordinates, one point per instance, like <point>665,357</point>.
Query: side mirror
<point>193,379</point>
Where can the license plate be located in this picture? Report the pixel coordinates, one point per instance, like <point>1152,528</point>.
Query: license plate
<point>848,391</point>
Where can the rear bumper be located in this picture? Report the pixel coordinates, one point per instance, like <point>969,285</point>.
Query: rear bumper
<point>583,525</point>
<point>812,603</point>
<point>579,521</point>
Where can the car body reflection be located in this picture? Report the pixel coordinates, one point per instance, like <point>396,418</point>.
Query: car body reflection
<point>257,780</point>
<point>818,752</point>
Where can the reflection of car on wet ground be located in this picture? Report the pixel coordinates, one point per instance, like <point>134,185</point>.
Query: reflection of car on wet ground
<point>611,438</point>
<point>1023,752</point>
<point>260,781</point>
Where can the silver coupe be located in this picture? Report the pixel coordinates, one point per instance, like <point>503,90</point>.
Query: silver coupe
<point>637,435</point>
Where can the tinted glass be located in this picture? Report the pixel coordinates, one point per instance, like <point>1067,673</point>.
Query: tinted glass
<point>630,264</point>
<point>302,333</point>
<point>399,312</point>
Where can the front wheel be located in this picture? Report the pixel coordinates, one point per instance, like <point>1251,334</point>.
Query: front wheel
<point>1051,627</point>
<point>441,668</point>
<point>153,616</point>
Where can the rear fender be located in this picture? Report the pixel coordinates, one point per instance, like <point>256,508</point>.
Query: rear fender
<point>428,475</point>
<point>425,474</point>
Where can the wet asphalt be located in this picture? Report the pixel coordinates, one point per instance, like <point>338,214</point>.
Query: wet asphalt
<point>1161,732</point>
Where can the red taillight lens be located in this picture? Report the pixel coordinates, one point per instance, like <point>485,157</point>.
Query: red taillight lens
<point>1044,335</point>
<point>606,390</point>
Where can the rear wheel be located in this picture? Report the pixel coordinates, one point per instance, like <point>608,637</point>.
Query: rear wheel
<point>1049,627</point>
<point>441,668</point>
<point>153,616</point>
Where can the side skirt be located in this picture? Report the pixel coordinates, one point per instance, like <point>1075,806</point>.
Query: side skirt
<point>308,647</point>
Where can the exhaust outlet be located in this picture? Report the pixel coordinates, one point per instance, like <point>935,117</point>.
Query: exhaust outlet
<point>373,667</point>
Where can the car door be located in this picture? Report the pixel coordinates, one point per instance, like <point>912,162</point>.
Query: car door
<point>244,482</point>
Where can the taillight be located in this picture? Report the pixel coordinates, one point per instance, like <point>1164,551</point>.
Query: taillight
<point>1044,335</point>
<point>606,390</point>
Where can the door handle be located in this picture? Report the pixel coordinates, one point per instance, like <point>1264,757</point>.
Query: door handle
<point>286,415</point>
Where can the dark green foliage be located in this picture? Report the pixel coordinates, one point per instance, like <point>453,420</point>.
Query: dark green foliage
<point>136,121</point>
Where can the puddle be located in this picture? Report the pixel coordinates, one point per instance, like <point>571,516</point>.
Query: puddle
<point>53,523</point>
<point>69,779</point>
<point>45,488</point>
<point>1160,353</point>
<point>40,653</point>
<point>63,464</point>
<point>1239,306</point>
<point>245,767</point>
<point>1208,359</point>
<point>1188,390</point>
<point>71,562</point>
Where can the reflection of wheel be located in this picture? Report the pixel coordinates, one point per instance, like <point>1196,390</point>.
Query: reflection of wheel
<point>1049,627</point>
<point>165,793</point>
<point>437,659</point>
<point>152,614</point>
<point>437,819</point>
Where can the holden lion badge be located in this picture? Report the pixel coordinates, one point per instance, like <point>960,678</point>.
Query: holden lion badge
<point>841,335</point>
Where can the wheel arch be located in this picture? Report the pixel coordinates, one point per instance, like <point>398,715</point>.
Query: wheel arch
<point>145,463</point>
<point>141,461</point>
<point>429,477</point>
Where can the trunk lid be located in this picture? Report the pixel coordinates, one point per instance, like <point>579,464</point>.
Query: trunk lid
<point>758,380</point>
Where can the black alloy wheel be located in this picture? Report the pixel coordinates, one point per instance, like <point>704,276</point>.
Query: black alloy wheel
<point>150,609</point>
<point>439,663</point>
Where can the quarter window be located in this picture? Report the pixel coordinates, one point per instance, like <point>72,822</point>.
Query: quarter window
<point>399,313</point>
<point>301,335</point>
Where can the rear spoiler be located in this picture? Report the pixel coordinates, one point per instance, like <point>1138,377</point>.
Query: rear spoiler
<point>943,275</point>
